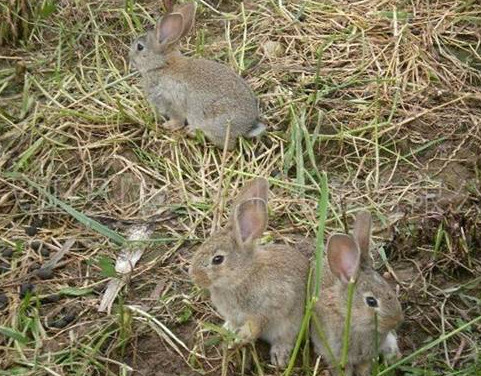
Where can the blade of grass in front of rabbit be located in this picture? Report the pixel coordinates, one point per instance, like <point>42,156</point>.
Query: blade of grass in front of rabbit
<point>319,265</point>
<point>347,325</point>
<point>255,359</point>
<point>304,329</point>
<point>322,337</point>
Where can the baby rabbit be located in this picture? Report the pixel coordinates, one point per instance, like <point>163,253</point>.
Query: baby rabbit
<point>259,290</point>
<point>199,93</point>
<point>348,258</point>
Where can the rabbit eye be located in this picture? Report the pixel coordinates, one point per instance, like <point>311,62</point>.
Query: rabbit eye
<point>217,260</point>
<point>140,46</point>
<point>371,301</point>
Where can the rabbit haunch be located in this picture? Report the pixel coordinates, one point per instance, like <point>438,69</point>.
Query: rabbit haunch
<point>201,93</point>
<point>259,291</point>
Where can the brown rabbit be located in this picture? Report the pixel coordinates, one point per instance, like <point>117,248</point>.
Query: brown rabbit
<point>259,290</point>
<point>348,258</point>
<point>199,93</point>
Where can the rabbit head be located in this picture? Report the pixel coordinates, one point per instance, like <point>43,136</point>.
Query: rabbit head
<point>152,50</point>
<point>349,259</point>
<point>227,253</point>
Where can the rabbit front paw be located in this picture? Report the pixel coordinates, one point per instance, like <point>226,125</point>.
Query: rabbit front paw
<point>280,354</point>
<point>191,131</point>
<point>174,124</point>
<point>228,326</point>
<point>248,332</point>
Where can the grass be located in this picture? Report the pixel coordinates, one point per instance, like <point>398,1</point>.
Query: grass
<point>383,98</point>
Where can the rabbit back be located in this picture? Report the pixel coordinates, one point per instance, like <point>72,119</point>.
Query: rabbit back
<point>208,95</point>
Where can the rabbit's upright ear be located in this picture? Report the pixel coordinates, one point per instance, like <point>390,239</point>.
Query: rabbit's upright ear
<point>343,257</point>
<point>255,188</point>
<point>249,221</point>
<point>168,5</point>
<point>362,235</point>
<point>188,12</point>
<point>169,29</point>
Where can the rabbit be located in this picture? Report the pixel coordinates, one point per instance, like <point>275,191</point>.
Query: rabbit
<point>196,93</point>
<point>258,290</point>
<point>348,259</point>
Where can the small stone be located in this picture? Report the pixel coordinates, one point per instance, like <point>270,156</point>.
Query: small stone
<point>3,301</point>
<point>36,245</point>
<point>61,322</point>
<point>4,267</point>
<point>69,317</point>
<point>54,298</point>
<point>273,49</point>
<point>31,230</point>
<point>34,266</point>
<point>99,288</point>
<point>45,252</point>
<point>58,323</point>
<point>44,273</point>
<point>26,288</point>
<point>7,252</point>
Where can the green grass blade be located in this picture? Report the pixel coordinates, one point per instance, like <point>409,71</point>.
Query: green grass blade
<point>11,333</point>
<point>322,216</point>
<point>82,218</point>
<point>430,345</point>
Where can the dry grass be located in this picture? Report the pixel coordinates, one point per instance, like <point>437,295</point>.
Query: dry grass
<point>384,96</point>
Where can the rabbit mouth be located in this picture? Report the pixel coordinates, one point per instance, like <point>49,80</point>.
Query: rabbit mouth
<point>391,322</point>
<point>201,280</point>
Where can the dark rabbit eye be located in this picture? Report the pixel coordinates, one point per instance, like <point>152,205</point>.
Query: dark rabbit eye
<point>217,260</point>
<point>371,301</point>
<point>140,46</point>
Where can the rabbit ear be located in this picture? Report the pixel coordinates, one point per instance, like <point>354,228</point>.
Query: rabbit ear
<point>188,12</point>
<point>249,221</point>
<point>168,5</point>
<point>343,257</point>
<point>362,235</point>
<point>169,29</point>
<point>255,188</point>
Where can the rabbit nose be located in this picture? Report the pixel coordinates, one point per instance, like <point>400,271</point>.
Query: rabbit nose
<point>397,320</point>
<point>201,279</point>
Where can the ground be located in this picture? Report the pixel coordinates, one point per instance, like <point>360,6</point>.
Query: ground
<point>382,96</point>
